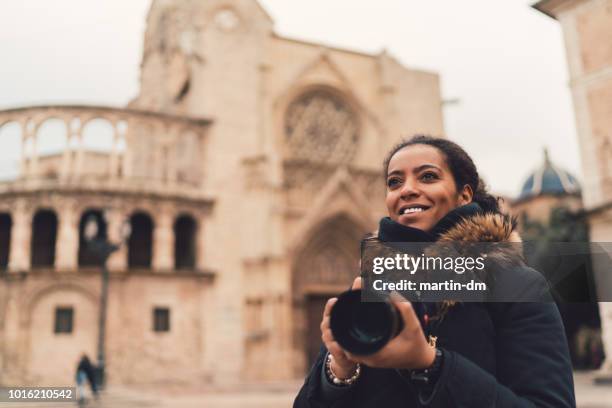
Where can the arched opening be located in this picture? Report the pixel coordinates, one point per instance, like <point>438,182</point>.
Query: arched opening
<point>5,240</point>
<point>98,136</point>
<point>44,233</point>
<point>140,243</point>
<point>51,142</point>
<point>184,242</point>
<point>324,267</point>
<point>86,256</point>
<point>51,137</point>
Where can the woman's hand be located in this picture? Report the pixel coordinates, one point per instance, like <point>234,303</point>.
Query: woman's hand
<point>408,350</point>
<point>342,366</point>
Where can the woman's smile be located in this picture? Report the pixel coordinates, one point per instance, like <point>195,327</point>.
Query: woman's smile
<point>411,212</point>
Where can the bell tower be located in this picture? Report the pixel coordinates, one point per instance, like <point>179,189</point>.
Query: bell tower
<point>201,57</point>
<point>205,59</point>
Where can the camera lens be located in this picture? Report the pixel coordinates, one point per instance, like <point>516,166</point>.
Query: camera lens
<point>363,327</point>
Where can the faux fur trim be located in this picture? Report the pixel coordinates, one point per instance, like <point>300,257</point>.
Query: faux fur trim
<point>489,227</point>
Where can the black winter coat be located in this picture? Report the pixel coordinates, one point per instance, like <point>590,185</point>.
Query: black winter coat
<point>495,354</point>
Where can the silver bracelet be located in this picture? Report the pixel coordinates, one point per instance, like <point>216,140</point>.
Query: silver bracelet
<point>335,379</point>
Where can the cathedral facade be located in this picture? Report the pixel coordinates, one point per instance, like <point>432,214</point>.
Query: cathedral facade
<point>248,169</point>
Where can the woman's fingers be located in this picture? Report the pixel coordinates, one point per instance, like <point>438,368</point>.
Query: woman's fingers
<point>328,306</point>
<point>333,347</point>
<point>327,336</point>
<point>326,313</point>
<point>406,310</point>
<point>357,359</point>
<point>356,283</point>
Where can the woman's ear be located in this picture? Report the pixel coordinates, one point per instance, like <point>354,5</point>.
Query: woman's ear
<point>466,195</point>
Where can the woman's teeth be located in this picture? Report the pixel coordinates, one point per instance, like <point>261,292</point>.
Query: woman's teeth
<point>412,210</point>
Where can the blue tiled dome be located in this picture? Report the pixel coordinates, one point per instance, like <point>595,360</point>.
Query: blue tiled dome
<point>549,179</point>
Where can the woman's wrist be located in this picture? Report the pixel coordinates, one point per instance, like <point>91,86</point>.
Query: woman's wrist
<point>425,360</point>
<point>428,359</point>
<point>342,371</point>
<point>340,379</point>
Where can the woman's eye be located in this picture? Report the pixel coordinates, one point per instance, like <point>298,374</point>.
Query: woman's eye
<point>393,182</point>
<point>428,176</point>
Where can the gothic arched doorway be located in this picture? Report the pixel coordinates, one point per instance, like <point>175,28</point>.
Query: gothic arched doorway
<point>324,267</point>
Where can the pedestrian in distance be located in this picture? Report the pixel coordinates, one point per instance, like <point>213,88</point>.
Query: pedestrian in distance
<point>86,373</point>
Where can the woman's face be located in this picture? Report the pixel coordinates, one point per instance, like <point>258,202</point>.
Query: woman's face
<point>421,188</point>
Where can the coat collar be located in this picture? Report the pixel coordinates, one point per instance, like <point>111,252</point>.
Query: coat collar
<point>392,231</point>
<point>464,224</point>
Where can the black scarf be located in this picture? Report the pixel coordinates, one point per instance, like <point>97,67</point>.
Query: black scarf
<point>392,231</point>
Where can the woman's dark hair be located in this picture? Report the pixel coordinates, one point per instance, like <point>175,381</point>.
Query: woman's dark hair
<point>460,164</point>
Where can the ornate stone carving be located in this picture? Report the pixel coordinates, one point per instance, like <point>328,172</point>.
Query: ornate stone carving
<point>319,126</point>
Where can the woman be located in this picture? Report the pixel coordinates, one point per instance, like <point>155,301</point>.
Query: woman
<point>479,354</point>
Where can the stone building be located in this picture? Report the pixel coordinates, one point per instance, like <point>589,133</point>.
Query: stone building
<point>587,28</point>
<point>248,167</point>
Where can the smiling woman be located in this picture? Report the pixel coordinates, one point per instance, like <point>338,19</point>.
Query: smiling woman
<point>449,353</point>
<point>421,188</point>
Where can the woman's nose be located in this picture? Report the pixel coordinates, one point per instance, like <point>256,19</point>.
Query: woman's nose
<point>409,189</point>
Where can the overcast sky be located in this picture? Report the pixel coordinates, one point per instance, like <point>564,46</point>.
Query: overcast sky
<point>503,60</point>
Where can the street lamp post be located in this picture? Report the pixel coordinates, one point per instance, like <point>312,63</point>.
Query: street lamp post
<point>99,245</point>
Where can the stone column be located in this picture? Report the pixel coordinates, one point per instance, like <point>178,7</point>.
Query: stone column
<point>19,255</point>
<point>67,243</point>
<point>126,156</point>
<point>23,160</point>
<point>163,242</point>
<point>113,164</point>
<point>118,260</point>
<point>31,131</point>
<point>67,153</point>
<point>79,151</point>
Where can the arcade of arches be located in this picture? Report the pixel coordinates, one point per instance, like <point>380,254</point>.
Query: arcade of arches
<point>44,231</point>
